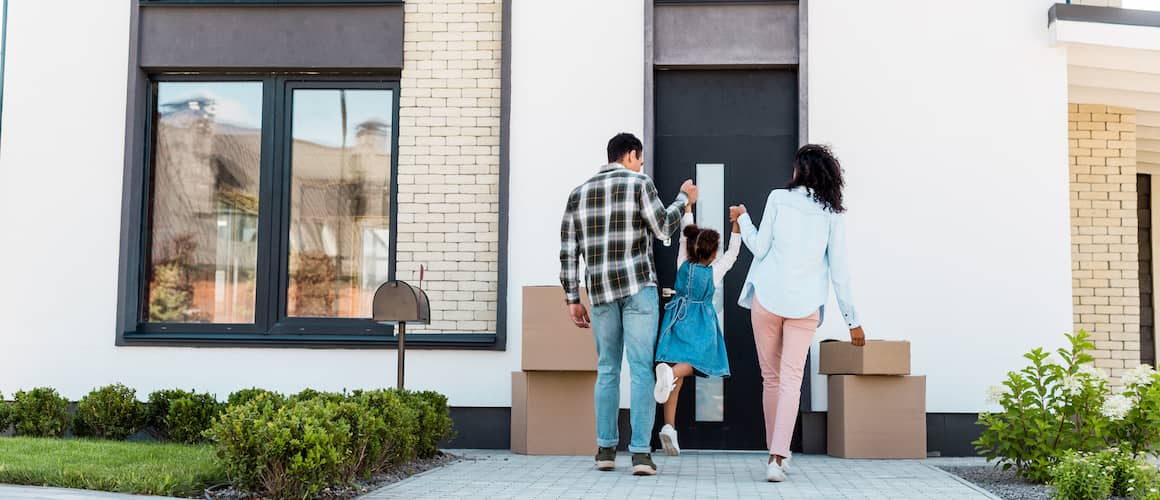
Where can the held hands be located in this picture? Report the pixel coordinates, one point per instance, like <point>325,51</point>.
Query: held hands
<point>735,212</point>
<point>857,336</point>
<point>579,315</point>
<point>690,190</point>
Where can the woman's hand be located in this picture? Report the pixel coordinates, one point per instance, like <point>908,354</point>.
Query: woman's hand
<point>857,336</point>
<point>735,212</point>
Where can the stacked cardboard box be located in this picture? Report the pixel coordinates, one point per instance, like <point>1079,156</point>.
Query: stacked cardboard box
<point>876,408</point>
<point>552,406</point>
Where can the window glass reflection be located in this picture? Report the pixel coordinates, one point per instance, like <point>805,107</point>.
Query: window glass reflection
<point>203,205</point>
<point>339,201</point>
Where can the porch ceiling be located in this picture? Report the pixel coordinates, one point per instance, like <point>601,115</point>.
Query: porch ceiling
<point>1123,77</point>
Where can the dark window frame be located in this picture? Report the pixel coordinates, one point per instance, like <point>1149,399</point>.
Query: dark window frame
<point>271,327</point>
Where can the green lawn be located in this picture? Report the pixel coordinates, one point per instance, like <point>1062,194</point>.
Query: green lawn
<point>124,467</point>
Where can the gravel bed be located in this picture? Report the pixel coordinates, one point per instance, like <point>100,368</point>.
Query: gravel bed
<point>1002,483</point>
<point>362,487</point>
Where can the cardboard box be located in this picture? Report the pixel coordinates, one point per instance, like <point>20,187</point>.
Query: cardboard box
<point>553,413</point>
<point>877,357</point>
<point>551,341</point>
<point>876,416</point>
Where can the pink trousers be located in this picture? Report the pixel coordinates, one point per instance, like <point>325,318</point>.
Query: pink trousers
<point>782,346</point>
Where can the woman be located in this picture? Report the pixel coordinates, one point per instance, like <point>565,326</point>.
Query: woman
<point>798,251</point>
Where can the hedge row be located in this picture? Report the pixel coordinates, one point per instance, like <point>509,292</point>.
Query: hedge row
<point>270,444</point>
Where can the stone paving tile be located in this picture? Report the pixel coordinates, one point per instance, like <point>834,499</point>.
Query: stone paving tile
<point>492,474</point>
<point>39,493</point>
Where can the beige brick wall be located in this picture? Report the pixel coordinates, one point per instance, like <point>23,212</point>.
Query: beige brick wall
<point>449,128</point>
<point>1105,285</point>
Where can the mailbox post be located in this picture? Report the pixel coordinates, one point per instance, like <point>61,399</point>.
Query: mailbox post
<point>398,303</point>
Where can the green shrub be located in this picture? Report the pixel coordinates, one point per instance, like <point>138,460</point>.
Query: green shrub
<point>244,396</point>
<point>1048,407</point>
<point>157,409</point>
<point>391,435</point>
<point>5,414</point>
<point>282,450</point>
<point>110,412</point>
<point>1081,476</point>
<point>434,420</point>
<point>1130,473</point>
<point>310,394</point>
<point>41,412</point>
<point>189,417</point>
<point>1134,413</point>
<point>181,416</point>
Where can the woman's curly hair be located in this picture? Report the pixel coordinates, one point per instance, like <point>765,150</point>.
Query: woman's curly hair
<point>816,167</point>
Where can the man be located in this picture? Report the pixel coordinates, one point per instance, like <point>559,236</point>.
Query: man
<point>611,219</point>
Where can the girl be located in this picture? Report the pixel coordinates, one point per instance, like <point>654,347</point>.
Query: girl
<point>798,251</point>
<point>691,341</point>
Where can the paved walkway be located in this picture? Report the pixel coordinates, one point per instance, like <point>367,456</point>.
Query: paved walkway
<point>491,474</point>
<point>8,491</point>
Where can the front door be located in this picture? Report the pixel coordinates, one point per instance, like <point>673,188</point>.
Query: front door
<point>734,132</point>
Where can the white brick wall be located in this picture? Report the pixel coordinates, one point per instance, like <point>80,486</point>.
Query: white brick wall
<point>449,159</point>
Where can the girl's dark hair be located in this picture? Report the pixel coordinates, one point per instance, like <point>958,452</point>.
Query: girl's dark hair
<point>816,168</point>
<point>701,243</point>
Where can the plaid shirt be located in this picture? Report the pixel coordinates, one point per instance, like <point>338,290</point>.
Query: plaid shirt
<point>612,219</point>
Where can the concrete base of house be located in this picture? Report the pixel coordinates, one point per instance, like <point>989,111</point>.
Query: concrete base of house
<point>947,434</point>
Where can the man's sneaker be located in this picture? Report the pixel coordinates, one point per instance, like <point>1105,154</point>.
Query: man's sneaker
<point>642,465</point>
<point>606,458</point>
<point>774,473</point>
<point>665,383</point>
<point>668,437</point>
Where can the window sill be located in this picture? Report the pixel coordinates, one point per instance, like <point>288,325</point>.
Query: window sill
<point>425,341</point>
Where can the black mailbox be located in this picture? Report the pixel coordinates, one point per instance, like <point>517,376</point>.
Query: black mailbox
<point>398,303</point>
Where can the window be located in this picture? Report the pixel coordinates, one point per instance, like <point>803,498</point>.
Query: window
<point>269,208</point>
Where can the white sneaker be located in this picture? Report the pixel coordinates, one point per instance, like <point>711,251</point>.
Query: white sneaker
<point>774,473</point>
<point>668,437</point>
<point>785,464</point>
<point>665,383</point>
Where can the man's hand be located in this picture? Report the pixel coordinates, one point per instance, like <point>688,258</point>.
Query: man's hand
<point>580,315</point>
<point>735,212</point>
<point>857,336</point>
<point>690,190</point>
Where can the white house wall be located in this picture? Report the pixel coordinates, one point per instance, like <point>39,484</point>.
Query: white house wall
<point>952,127</point>
<point>952,131</point>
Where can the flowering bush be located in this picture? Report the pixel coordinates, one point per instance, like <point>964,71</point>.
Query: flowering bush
<point>1079,476</point>
<point>1063,402</point>
<point>1048,407</point>
<point>1134,413</point>
<point>1096,476</point>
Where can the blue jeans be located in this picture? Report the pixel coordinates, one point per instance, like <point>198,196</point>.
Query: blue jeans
<point>631,323</point>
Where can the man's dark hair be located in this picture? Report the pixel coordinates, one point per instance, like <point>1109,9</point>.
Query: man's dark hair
<point>621,144</point>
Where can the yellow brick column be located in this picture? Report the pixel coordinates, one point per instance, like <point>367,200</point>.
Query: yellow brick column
<point>449,129</point>
<point>1105,285</point>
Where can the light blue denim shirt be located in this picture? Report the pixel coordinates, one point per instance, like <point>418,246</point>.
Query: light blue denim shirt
<point>798,251</point>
